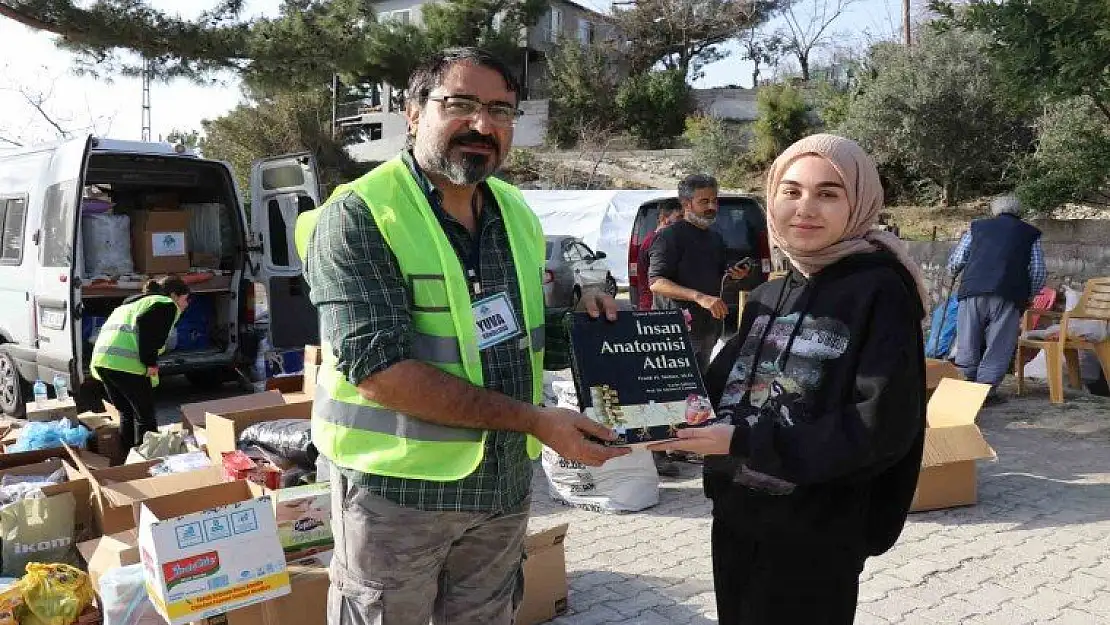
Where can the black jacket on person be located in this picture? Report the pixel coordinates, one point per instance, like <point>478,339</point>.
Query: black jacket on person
<point>831,418</point>
<point>154,329</point>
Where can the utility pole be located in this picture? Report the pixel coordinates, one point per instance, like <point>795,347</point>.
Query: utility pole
<point>906,23</point>
<point>146,100</point>
<point>334,103</point>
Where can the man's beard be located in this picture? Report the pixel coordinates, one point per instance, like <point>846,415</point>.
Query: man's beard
<point>464,168</point>
<point>699,220</point>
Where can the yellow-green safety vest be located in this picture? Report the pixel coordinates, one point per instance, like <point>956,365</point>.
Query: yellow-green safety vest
<point>117,345</point>
<point>358,434</point>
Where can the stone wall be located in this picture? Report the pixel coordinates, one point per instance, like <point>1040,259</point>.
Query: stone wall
<point>1075,250</point>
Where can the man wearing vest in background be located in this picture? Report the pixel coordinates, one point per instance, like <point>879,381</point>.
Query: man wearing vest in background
<point>1003,269</point>
<point>427,276</point>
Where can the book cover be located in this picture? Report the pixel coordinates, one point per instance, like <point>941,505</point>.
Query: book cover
<point>638,375</point>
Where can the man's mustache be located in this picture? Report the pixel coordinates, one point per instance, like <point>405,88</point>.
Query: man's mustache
<point>475,139</point>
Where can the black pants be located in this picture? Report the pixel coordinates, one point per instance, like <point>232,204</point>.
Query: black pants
<point>787,580</point>
<point>133,397</point>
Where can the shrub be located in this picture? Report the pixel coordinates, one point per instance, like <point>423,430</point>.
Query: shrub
<point>653,107</point>
<point>783,118</point>
<point>717,146</point>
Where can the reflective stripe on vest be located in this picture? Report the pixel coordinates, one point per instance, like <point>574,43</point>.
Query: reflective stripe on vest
<point>117,345</point>
<point>359,434</point>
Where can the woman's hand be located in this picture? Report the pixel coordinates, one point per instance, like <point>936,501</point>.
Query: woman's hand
<point>713,440</point>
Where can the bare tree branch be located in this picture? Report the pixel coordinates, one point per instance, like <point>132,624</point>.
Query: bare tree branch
<point>808,31</point>
<point>11,141</point>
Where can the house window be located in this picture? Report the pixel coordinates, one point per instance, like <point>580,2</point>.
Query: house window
<point>556,23</point>
<point>585,31</point>
<point>401,17</point>
<point>12,213</point>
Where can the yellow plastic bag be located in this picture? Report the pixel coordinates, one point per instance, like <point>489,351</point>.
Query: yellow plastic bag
<point>54,594</point>
<point>10,601</point>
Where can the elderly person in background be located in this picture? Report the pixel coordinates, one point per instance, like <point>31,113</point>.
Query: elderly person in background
<point>1003,268</point>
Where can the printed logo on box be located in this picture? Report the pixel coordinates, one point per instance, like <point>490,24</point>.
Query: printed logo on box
<point>189,535</point>
<point>243,522</point>
<point>167,243</point>
<point>217,528</point>
<point>188,569</point>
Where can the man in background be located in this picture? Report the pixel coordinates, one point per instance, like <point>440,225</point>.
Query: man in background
<point>1002,262</point>
<point>668,214</point>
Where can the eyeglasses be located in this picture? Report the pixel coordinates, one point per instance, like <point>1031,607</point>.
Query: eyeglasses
<point>463,107</point>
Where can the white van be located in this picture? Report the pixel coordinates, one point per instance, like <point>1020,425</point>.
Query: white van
<point>49,302</point>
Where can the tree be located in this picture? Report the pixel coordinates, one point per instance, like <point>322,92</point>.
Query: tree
<point>761,49</point>
<point>939,110</point>
<point>1054,48</point>
<point>583,89</point>
<point>279,124</point>
<point>191,139</point>
<point>783,119</point>
<point>653,107</point>
<point>807,28</point>
<point>685,35</point>
<point>1072,157</point>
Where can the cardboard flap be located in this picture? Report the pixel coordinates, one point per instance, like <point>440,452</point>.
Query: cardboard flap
<point>955,444</point>
<point>197,500</point>
<point>64,452</point>
<point>194,414</point>
<point>539,541</point>
<point>937,370</point>
<point>956,403</point>
<point>126,493</point>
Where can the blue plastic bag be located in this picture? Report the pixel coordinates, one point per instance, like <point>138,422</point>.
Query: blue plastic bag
<point>941,336</point>
<point>48,434</point>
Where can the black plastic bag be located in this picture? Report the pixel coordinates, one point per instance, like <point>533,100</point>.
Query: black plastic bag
<point>289,438</point>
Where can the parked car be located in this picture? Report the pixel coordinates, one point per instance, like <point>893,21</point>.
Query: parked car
<point>52,305</point>
<point>743,225</point>
<point>572,268</point>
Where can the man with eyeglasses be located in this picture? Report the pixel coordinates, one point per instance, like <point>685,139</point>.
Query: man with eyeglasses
<point>427,276</point>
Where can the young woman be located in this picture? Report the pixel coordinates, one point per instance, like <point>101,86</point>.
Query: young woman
<point>125,356</point>
<point>825,389</point>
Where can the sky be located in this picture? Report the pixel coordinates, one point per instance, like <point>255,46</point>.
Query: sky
<point>31,64</point>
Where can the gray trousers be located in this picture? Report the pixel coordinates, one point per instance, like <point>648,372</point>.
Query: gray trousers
<point>402,566</point>
<point>991,322</point>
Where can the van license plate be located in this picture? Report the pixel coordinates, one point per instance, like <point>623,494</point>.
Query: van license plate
<point>52,318</point>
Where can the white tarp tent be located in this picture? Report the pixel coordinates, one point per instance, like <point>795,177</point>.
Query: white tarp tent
<point>602,219</point>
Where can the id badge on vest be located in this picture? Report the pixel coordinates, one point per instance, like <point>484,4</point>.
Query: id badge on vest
<point>494,320</point>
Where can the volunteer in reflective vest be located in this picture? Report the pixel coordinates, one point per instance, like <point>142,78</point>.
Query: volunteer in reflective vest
<point>125,357</point>
<point>427,275</point>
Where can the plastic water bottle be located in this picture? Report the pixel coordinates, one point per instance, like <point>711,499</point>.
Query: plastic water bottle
<point>40,394</point>
<point>61,389</point>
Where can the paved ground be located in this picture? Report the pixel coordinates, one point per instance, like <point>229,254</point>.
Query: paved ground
<point>1035,550</point>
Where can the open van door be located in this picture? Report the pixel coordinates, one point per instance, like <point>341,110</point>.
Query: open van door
<point>57,314</point>
<point>283,187</point>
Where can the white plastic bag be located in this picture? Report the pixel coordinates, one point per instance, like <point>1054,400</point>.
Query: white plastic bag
<point>204,228</point>
<point>124,599</point>
<point>626,484</point>
<point>106,241</point>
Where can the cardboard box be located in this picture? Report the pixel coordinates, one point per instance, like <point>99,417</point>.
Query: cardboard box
<point>952,445</point>
<point>223,429</point>
<point>193,415</point>
<point>307,603</point>
<point>201,560</point>
<point>78,486</point>
<point>115,490</point>
<point>303,515</point>
<point>52,410</point>
<point>105,439</point>
<point>160,242</point>
<point>109,552</point>
<point>313,355</point>
<point>68,454</point>
<point>308,384</point>
<point>545,577</point>
<point>286,383</point>
<point>937,370</point>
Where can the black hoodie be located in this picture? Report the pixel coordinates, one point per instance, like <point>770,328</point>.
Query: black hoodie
<point>155,326</point>
<point>831,423</point>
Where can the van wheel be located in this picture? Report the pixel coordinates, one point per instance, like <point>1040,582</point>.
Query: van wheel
<point>611,286</point>
<point>206,380</point>
<point>12,389</point>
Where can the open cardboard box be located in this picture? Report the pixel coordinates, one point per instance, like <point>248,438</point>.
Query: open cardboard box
<point>65,453</point>
<point>109,552</point>
<point>223,429</point>
<point>116,489</point>
<point>77,485</point>
<point>937,370</point>
<point>209,551</point>
<point>952,445</point>
<point>545,577</point>
<point>193,415</point>
<point>307,604</point>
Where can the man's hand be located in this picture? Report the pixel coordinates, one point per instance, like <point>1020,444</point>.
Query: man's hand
<point>738,272</point>
<point>597,302</point>
<point>565,431</point>
<point>715,305</point>
<point>713,440</point>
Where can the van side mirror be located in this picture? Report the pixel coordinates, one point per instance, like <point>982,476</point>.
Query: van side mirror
<point>599,255</point>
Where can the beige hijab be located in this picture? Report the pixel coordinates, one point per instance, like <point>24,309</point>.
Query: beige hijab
<point>865,199</point>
